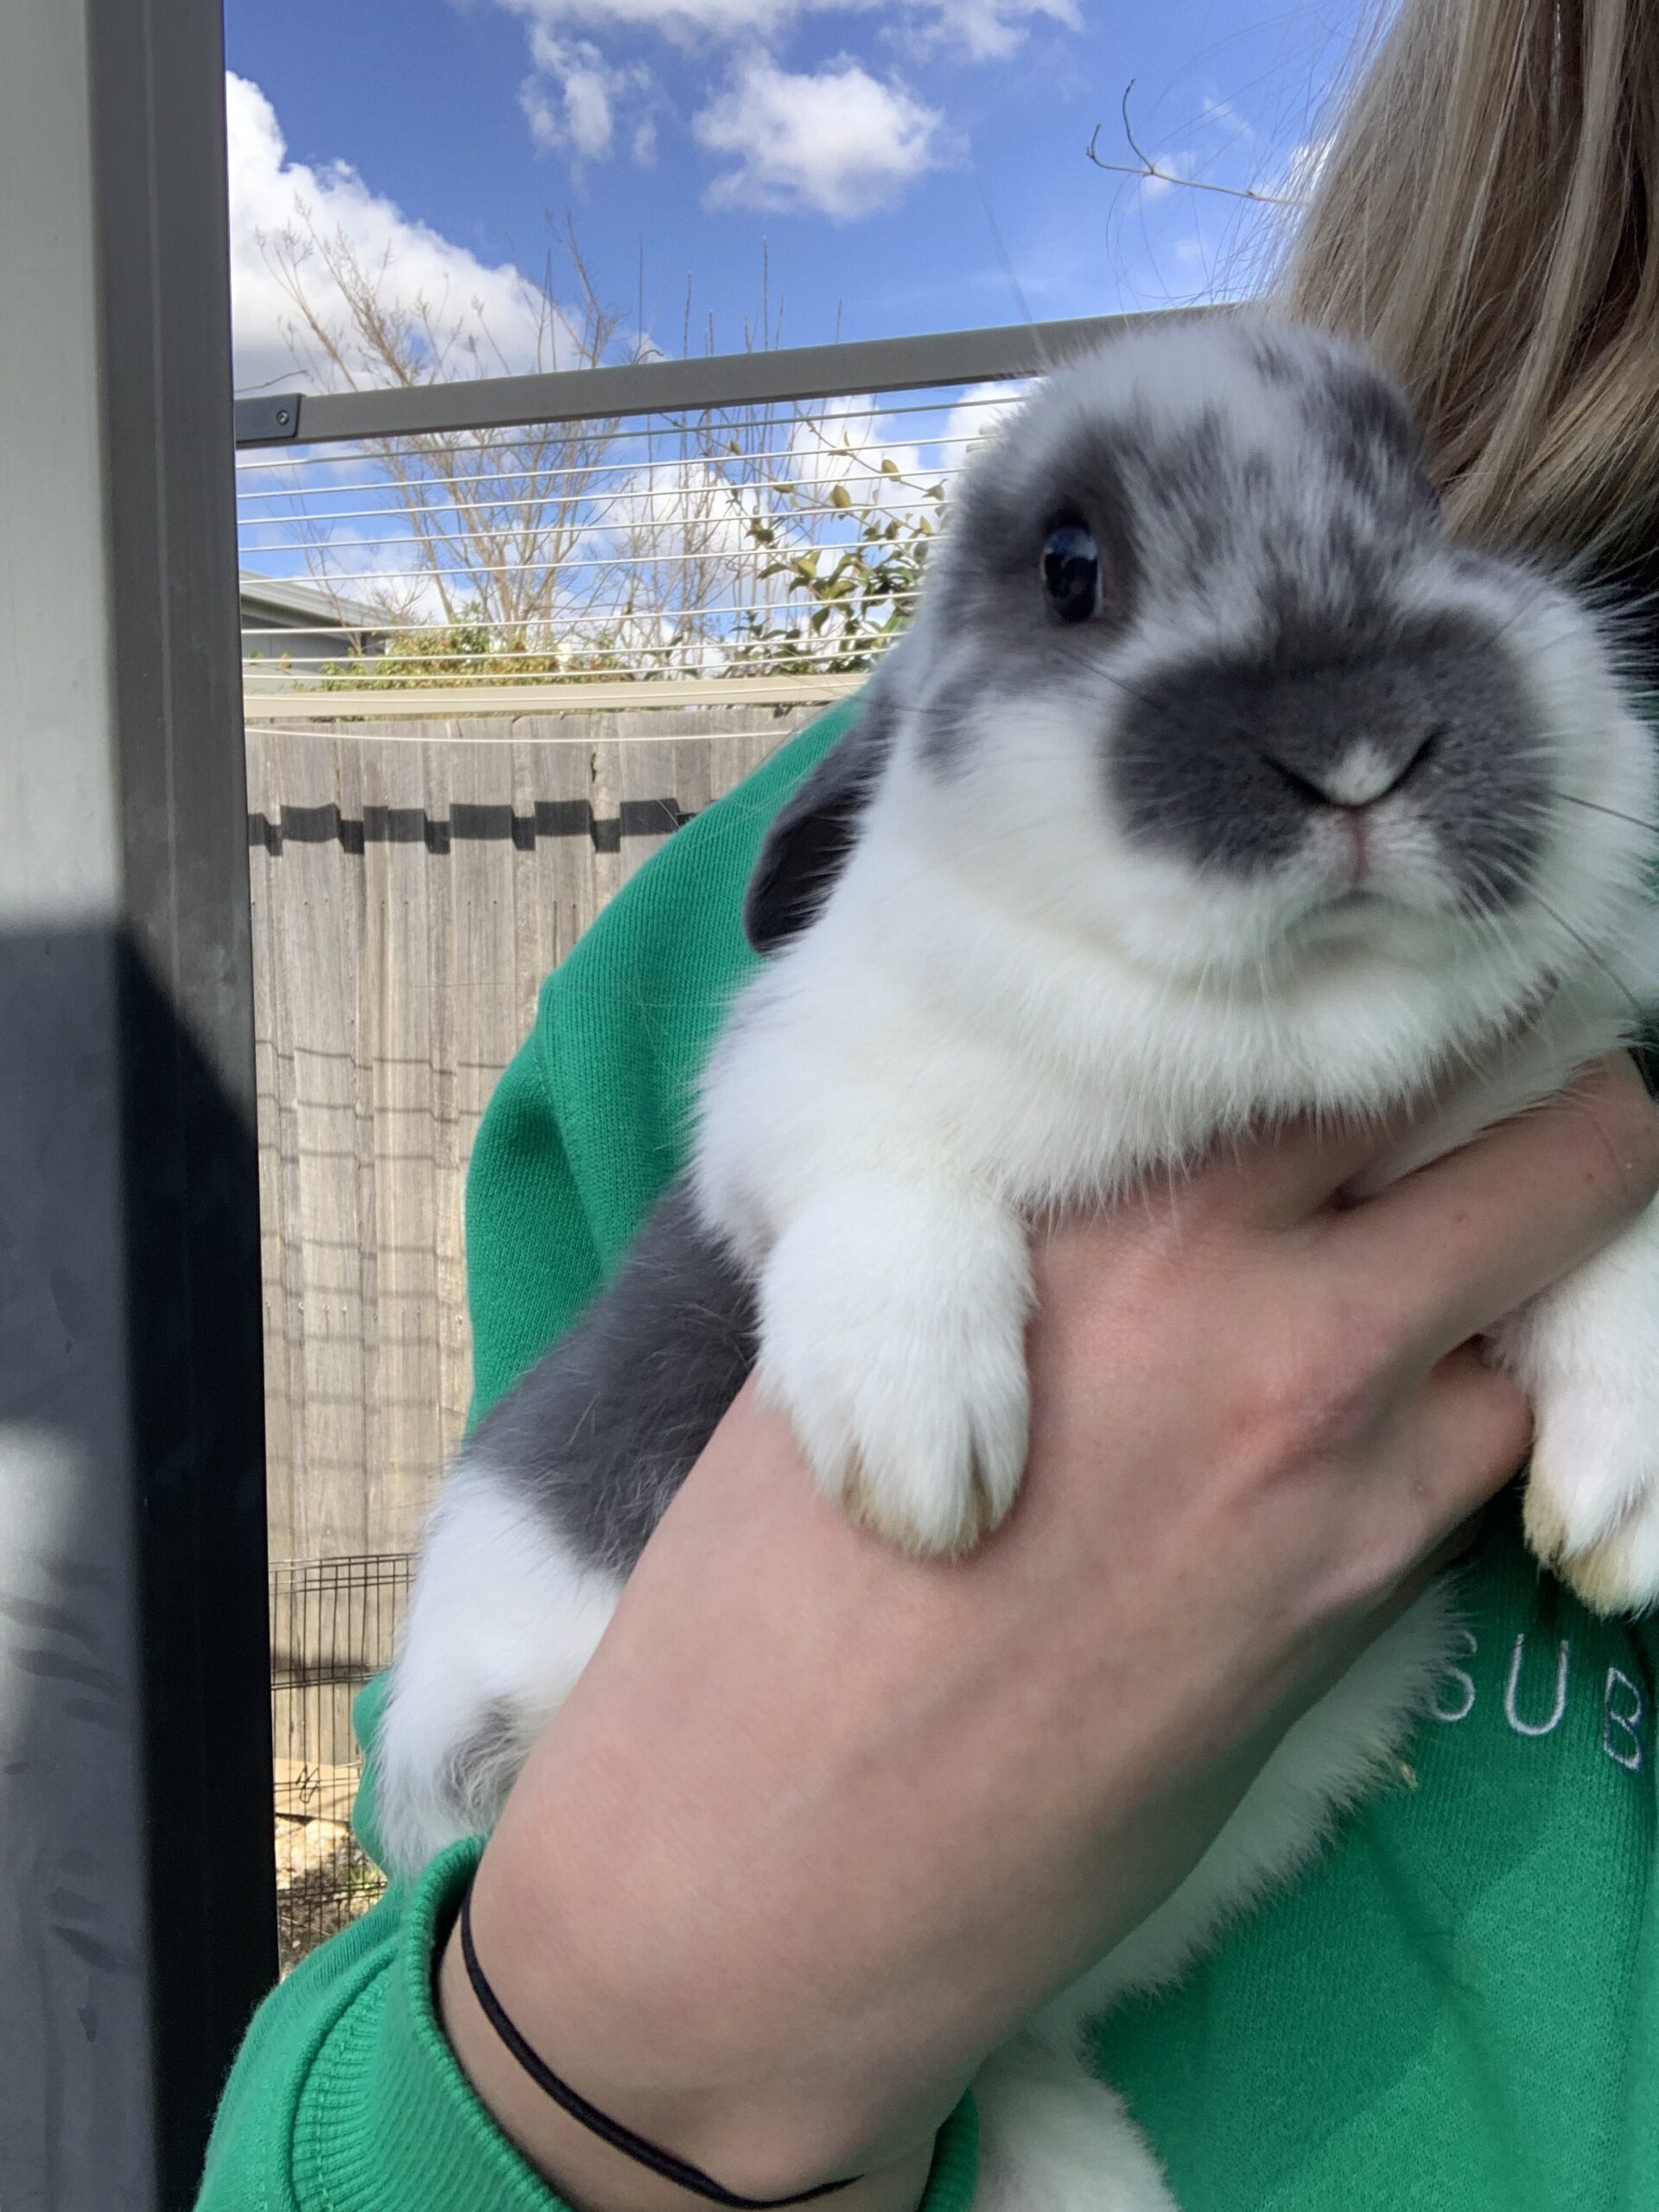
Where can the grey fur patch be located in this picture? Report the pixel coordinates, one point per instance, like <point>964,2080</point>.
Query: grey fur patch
<point>479,1771</point>
<point>985,602</point>
<point>1355,414</point>
<point>1198,766</point>
<point>602,1431</point>
<point>815,830</point>
<point>1372,437</point>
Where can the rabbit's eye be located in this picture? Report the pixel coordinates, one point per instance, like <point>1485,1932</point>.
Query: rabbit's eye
<point>1072,571</point>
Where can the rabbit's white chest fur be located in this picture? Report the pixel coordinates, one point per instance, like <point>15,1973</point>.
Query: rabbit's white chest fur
<point>1212,787</point>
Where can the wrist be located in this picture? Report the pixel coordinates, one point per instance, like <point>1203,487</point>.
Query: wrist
<point>593,2170</point>
<point>665,2055</point>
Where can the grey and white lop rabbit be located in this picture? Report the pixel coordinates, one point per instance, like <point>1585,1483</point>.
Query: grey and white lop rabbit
<point>1213,783</point>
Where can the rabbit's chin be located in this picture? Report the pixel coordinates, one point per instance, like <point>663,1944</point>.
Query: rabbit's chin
<point>1275,989</point>
<point>1277,938</point>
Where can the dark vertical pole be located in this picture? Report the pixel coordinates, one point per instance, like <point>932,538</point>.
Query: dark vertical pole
<point>190,1147</point>
<point>136,1897</point>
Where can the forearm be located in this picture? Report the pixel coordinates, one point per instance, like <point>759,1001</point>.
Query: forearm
<point>686,1906</point>
<point>728,1898</point>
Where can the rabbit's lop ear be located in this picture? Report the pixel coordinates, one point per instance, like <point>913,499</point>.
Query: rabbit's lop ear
<point>813,834</point>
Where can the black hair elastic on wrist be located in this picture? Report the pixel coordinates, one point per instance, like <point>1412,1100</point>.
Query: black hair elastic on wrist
<point>598,2123</point>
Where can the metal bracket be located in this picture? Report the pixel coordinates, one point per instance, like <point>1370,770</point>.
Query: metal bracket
<point>269,418</point>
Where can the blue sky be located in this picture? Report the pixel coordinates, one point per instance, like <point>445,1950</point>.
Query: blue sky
<point>897,157</point>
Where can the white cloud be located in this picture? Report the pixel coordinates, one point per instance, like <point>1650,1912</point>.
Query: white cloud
<point>270,193</point>
<point>1171,167</point>
<point>684,22</point>
<point>835,141</point>
<point>989,30</point>
<point>981,29</point>
<point>1213,109</point>
<point>571,97</point>
<point>582,119</point>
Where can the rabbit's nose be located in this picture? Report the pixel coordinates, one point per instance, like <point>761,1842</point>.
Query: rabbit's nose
<point>1364,774</point>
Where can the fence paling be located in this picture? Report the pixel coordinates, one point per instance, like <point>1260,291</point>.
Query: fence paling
<point>411,893</point>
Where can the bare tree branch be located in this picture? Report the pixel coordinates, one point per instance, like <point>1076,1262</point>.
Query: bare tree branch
<point>1144,166</point>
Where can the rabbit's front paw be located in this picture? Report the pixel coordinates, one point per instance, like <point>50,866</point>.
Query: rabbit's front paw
<point>1588,1354</point>
<point>893,1334</point>
<point>1593,1498</point>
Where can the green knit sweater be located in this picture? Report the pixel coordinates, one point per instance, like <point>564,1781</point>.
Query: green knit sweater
<point>1456,2011</point>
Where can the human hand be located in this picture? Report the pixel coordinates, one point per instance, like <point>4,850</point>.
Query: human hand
<point>820,1825</point>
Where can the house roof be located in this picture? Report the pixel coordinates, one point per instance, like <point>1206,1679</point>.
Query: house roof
<point>306,603</point>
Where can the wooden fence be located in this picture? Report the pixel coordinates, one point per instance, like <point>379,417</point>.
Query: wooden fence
<point>411,888</point>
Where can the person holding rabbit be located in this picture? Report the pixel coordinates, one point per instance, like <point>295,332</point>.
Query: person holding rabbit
<point>824,1820</point>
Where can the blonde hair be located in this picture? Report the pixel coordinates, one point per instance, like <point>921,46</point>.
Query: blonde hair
<point>1485,219</point>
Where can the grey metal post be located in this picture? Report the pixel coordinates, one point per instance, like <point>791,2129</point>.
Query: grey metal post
<point>135,1898</point>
